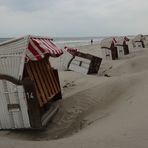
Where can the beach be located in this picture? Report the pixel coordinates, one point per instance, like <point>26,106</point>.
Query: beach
<point>106,110</point>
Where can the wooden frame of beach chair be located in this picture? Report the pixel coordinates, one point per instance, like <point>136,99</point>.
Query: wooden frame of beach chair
<point>42,80</point>
<point>30,91</point>
<point>82,60</point>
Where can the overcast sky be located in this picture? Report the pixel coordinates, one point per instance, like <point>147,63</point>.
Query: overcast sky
<point>73,17</point>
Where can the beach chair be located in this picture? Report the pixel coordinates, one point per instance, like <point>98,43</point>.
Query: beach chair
<point>109,49</point>
<point>29,87</point>
<point>122,46</point>
<point>82,62</point>
<point>139,41</point>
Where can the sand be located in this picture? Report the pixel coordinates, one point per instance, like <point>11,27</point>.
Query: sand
<point>96,111</point>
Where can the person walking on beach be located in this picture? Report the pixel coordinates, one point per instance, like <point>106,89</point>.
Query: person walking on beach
<point>91,41</point>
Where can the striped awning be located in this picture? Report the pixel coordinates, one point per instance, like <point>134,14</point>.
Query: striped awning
<point>39,47</point>
<point>15,52</point>
<point>114,42</point>
<point>71,50</point>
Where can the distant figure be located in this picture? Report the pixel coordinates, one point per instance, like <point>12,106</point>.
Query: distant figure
<point>91,41</point>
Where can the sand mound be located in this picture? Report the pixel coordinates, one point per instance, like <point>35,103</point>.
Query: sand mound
<point>135,62</point>
<point>69,118</point>
<point>135,65</point>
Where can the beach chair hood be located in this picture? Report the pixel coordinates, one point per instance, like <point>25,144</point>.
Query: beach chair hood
<point>107,42</point>
<point>122,40</point>
<point>15,52</point>
<point>38,47</point>
<point>139,37</point>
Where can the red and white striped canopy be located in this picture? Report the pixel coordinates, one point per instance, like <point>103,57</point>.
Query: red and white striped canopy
<point>114,42</point>
<point>71,50</point>
<point>38,47</point>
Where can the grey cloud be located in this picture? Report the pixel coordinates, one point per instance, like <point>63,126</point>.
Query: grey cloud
<point>73,17</point>
<point>27,5</point>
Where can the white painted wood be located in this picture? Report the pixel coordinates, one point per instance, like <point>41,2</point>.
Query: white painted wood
<point>23,105</point>
<point>80,65</point>
<point>17,117</point>
<point>12,56</point>
<point>6,120</point>
<point>106,42</point>
<point>75,62</point>
<point>13,98</point>
<point>120,51</point>
<point>6,93</point>
<point>138,45</point>
<point>65,58</point>
<point>79,69</point>
<point>85,65</point>
<point>106,54</point>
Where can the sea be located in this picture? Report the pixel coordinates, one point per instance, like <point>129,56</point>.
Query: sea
<point>76,41</point>
<point>61,42</point>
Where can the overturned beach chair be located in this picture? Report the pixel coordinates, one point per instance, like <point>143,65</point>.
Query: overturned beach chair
<point>138,41</point>
<point>29,87</point>
<point>109,49</point>
<point>81,62</point>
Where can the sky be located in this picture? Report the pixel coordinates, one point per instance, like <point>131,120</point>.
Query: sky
<point>73,18</point>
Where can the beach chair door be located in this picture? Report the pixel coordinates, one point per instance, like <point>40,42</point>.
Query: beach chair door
<point>13,106</point>
<point>120,51</point>
<point>106,54</point>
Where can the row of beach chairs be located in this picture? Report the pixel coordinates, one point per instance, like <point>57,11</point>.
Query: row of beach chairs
<point>30,90</point>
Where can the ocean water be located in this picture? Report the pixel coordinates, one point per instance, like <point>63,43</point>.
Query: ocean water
<point>61,42</point>
<point>76,41</point>
<point>4,39</point>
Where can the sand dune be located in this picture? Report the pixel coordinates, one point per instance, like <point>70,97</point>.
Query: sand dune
<point>96,111</point>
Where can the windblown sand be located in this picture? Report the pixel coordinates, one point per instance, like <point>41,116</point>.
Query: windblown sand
<point>107,110</point>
